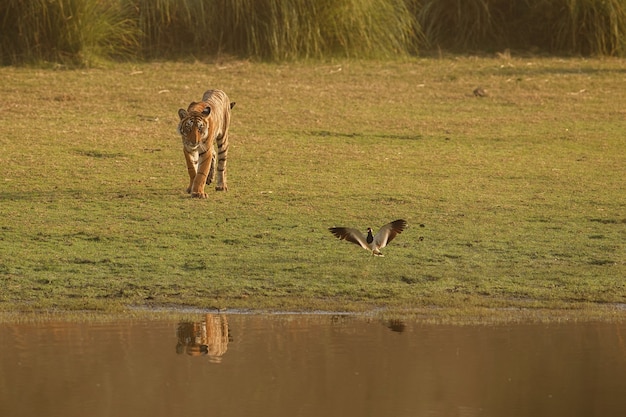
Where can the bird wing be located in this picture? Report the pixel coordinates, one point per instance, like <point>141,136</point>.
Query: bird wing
<point>351,235</point>
<point>388,232</point>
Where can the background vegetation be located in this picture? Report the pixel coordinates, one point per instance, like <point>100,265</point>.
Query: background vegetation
<point>86,31</point>
<point>520,192</point>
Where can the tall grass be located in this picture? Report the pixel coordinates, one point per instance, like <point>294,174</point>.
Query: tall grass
<point>66,31</point>
<point>276,29</point>
<point>592,27</point>
<point>460,24</point>
<point>174,25</point>
<point>84,31</point>
<point>586,27</point>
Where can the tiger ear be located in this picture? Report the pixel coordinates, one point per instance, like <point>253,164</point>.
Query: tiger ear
<point>182,113</point>
<point>232,104</point>
<point>206,111</point>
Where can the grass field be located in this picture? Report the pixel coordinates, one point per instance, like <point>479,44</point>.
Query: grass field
<point>519,195</point>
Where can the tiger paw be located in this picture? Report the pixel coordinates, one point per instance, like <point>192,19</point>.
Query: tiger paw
<point>221,188</point>
<point>198,195</point>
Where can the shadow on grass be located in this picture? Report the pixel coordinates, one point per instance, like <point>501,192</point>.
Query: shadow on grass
<point>327,133</point>
<point>57,195</point>
<point>538,70</point>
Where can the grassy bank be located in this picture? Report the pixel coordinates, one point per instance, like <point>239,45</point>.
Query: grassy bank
<point>520,193</point>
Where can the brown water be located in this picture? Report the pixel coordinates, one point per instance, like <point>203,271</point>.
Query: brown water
<point>293,365</point>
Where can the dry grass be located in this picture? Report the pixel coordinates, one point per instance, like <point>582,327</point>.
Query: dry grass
<point>89,33</point>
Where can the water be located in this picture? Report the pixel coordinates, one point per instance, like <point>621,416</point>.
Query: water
<point>294,365</point>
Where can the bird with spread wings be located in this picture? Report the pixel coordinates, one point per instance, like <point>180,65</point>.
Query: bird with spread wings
<point>371,242</point>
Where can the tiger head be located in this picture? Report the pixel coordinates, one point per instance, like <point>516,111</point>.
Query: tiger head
<point>194,128</point>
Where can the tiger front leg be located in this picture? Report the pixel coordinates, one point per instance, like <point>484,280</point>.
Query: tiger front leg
<point>191,159</point>
<point>209,179</point>
<point>204,165</point>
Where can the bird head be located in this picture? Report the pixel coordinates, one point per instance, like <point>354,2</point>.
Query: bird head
<point>370,235</point>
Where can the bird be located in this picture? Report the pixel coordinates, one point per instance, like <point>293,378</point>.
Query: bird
<point>479,92</point>
<point>371,242</point>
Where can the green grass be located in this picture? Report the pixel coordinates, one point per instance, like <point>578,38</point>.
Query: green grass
<point>521,193</point>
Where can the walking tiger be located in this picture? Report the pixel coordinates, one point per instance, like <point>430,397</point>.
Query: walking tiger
<point>202,124</point>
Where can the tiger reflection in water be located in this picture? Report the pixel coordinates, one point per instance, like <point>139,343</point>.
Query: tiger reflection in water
<point>208,337</point>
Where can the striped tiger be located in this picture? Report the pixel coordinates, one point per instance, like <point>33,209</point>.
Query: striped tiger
<point>202,124</point>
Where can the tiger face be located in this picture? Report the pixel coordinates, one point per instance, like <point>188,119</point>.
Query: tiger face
<point>194,129</point>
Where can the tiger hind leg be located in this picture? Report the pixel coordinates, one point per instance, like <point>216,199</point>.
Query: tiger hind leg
<point>222,156</point>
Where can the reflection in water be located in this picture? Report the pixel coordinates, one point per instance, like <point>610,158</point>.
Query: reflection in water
<point>207,337</point>
<point>396,325</point>
<point>298,365</point>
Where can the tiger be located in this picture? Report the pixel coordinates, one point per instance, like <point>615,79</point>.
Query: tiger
<point>202,124</point>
